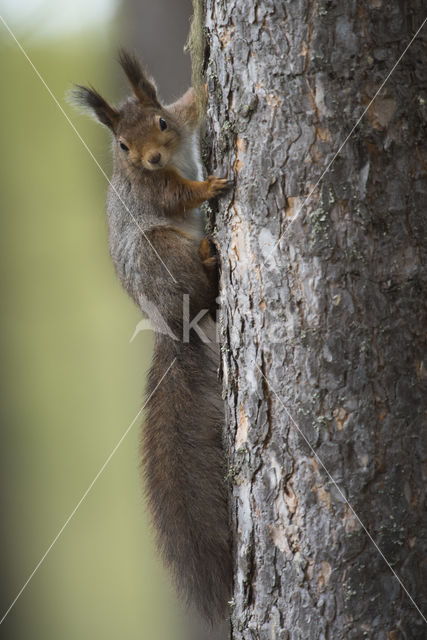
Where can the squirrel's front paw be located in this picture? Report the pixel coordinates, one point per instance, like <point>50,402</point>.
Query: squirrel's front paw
<point>218,185</point>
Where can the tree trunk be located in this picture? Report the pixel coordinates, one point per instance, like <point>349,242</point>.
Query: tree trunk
<point>322,312</point>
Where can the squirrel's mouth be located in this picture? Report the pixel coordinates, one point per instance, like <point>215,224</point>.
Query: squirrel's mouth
<point>155,167</point>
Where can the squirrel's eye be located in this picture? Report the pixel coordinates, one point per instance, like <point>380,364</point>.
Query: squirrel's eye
<point>163,124</point>
<point>124,147</point>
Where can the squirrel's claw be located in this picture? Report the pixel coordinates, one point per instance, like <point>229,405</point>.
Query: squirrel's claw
<point>218,185</point>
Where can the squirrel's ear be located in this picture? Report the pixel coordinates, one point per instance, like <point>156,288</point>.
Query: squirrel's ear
<point>143,86</point>
<point>92,100</point>
<point>185,108</point>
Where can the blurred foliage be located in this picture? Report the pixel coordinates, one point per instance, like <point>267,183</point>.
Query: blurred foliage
<point>71,382</point>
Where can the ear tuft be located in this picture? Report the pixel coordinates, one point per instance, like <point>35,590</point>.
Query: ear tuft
<point>142,84</point>
<point>89,98</point>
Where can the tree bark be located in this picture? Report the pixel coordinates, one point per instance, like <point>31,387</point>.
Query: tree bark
<point>322,356</point>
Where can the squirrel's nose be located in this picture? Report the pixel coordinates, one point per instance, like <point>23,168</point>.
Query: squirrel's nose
<point>155,158</point>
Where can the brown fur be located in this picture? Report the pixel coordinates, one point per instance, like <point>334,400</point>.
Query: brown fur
<point>209,258</point>
<point>181,195</point>
<point>155,188</point>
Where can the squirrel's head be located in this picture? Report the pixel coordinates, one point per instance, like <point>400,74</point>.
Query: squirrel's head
<point>145,133</point>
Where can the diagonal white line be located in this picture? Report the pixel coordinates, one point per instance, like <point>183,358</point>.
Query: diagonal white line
<point>308,198</point>
<point>54,98</point>
<point>40,562</point>
<point>343,496</point>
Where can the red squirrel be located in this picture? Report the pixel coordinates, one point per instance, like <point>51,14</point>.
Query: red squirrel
<point>164,263</point>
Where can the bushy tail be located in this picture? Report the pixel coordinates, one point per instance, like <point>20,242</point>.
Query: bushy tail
<point>184,472</point>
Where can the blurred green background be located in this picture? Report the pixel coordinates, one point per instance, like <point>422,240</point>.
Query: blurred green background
<point>72,381</point>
